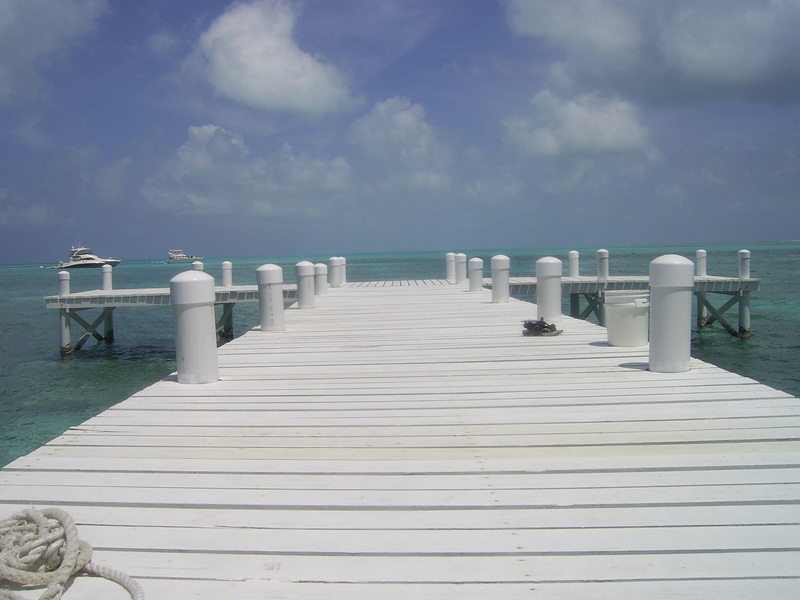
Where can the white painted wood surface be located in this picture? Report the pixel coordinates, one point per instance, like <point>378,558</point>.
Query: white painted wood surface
<point>403,439</point>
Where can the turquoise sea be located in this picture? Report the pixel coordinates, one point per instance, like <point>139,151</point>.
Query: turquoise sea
<point>42,394</point>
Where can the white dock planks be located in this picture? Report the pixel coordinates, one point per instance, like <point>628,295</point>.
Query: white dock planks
<point>404,440</point>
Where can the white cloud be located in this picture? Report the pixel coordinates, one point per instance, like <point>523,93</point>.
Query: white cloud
<point>586,124</point>
<point>670,50</point>
<point>589,27</point>
<point>15,210</point>
<point>214,173</point>
<point>248,55</point>
<point>32,34</point>
<point>161,42</point>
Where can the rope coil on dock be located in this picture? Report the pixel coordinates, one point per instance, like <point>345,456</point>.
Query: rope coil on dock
<point>42,548</point>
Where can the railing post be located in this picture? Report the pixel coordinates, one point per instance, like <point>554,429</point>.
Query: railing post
<point>450,262</point>
<point>461,268</point>
<point>227,273</point>
<point>305,284</point>
<point>671,287</point>
<point>701,270</point>
<point>270,297</point>
<point>343,272</point>
<point>192,298</point>
<point>335,271</point>
<point>226,330</point>
<point>574,271</point>
<point>501,265</point>
<point>108,322</point>
<point>744,299</point>
<point>320,279</point>
<point>548,289</point>
<point>63,313</point>
<point>475,274</point>
<point>602,279</point>
<point>197,265</point>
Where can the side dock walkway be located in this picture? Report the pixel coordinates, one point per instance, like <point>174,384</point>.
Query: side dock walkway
<point>404,440</point>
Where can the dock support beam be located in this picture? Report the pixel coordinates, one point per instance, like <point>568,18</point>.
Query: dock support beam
<point>63,314</point>
<point>108,322</point>
<point>701,270</point>
<point>744,300</point>
<point>602,279</point>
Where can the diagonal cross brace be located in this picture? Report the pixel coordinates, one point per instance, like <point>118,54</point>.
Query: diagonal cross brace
<point>716,315</point>
<point>91,330</point>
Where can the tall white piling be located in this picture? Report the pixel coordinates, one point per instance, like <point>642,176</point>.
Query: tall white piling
<point>63,314</point>
<point>343,271</point>
<point>108,322</point>
<point>475,274</point>
<point>744,299</point>
<point>602,279</point>
<point>671,287</point>
<point>574,271</point>
<point>192,299</point>
<point>450,263</point>
<point>501,266</point>
<point>701,270</point>
<point>320,279</point>
<point>461,268</point>
<point>197,265</point>
<point>574,263</point>
<point>270,297</point>
<point>335,271</point>
<point>227,273</point>
<point>548,288</point>
<point>305,284</point>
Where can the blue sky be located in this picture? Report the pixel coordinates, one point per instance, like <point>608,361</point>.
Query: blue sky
<point>273,127</point>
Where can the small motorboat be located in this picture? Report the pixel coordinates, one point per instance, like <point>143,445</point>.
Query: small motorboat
<point>180,256</point>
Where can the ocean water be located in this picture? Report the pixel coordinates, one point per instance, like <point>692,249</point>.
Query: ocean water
<point>42,393</point>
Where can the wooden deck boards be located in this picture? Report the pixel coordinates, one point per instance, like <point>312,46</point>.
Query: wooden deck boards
<point>404,440</point>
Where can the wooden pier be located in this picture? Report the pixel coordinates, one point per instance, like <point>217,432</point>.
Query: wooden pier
<point>404,440</point>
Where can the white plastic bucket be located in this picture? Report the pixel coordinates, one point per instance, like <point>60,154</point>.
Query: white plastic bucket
<point>627,317</point>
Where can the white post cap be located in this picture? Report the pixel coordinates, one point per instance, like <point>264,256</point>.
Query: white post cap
<point>672,270</point>
<point>501,261</point>
<point>192,287</point>
<point>266,274</point>
<point>549,266</point>
<point>304,268</point>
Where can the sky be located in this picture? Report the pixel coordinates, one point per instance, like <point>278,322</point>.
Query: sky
<point>283,127</point>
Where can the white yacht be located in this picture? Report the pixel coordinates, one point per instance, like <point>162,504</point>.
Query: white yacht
<point>180,256</point>
<point>82,257</point>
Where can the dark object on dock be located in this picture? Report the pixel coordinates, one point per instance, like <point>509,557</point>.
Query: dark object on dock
<point>539,328</point>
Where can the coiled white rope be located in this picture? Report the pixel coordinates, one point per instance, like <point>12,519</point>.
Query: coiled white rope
<point>41,548</point>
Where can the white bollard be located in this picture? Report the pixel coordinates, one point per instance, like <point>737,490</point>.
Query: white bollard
<point>701,270</point>
<point>701,262</point>
<point>475,275</point>
<point>108,322</point>
<point>192,298</point>
<point>450,261</point>
<point>107,281</point>
<point>602,266</point>
<point>744,299</point>
<point>63,316</point>
<point>501,265</point>
<point>335,271</point>
<point>227,273</point>
<point>270,297</point>
<point>197,265</point>
<point>305,284</point>
<point>320,279</point>
<point>671,287</point>
<point>574,263</point>
<point>461,268</point>
<point>343,272</point>
<point>548,289</point>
